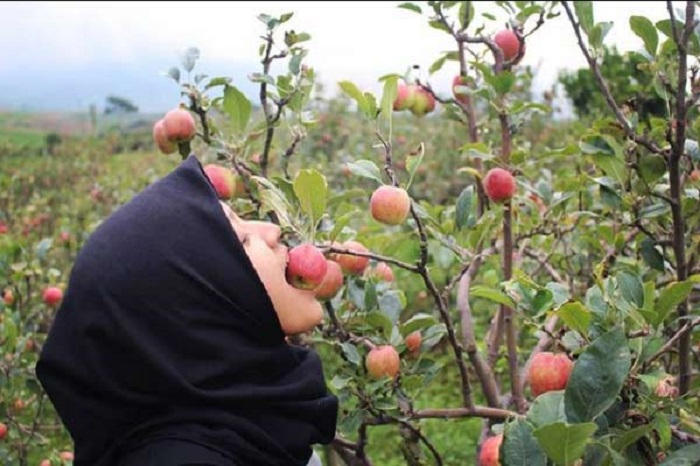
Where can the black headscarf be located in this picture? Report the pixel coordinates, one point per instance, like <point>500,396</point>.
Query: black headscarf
<point>166,331</point>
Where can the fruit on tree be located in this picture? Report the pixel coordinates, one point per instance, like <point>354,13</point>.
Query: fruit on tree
<point>499,185</point>
<point>405,97</point>
<point>423,102</point>
<point>3,430</point>
<point>165,145</point>
<point>179,125</point>
<point>52,295</point>
<point>695,175</point>
<point>390,204</point>
<point>8,297</point>
<point>383,272</point>
<point>66,456</point>
<point>306,267</point>
<point>45,462</point>
<point>332,282</point>
<point>223,180</point>
<point>509,43</point>
<point>352,264</point>
<point>413,341</point>
<point>549,371</point>
<point>490,451</point>
<point>460,89</point>
<point>382,361</point>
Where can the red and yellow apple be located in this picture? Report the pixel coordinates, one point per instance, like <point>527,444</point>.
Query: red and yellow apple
<point>460,89</point>
<point>490,451</point>
<point>383,361</point>
<point>405,97</point>
<point>179,125</point>
<point>413,342</point>
<point>165,145</point>
<point>352,264</point>
<point>52,295</point>
<point>509,43</point>
<point>423,102</point>
<point>548,372</point>
<point>223,180</point>
<point>306,267</point>
<point>332,282</point>
<point>3,430</point>
<point>390,205</point>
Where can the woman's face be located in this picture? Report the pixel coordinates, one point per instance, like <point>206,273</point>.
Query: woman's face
<point>297,310</point>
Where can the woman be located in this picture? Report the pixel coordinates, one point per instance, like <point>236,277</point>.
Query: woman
<point>169,347</point>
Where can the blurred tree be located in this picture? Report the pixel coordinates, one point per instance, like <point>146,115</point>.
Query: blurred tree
<point>633,88</point>
<point>117,104</point>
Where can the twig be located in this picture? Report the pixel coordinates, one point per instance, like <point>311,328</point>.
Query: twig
<point>371,255</point>
<point>668,346</point>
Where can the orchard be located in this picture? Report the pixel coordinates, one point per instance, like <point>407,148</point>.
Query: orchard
<point>499,287</point>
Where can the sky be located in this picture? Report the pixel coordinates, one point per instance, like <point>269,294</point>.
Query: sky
<point>72,54</point>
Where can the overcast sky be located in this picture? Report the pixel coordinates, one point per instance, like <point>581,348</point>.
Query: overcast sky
<point>358,41</point>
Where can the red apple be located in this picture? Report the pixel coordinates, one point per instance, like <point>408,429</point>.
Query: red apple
<point>390,205</point>
<point>509,43</point>
<point>332,282</point>
<point>490,449</point>
<point>549,371</point>
<point>413,341</point>
<point>349,263</point>
<point>3,228</point>
<point>460,89</point>
<point>423,102</point>
<point>66,455</point>
<point>45,462</point>
<point>695,175</point>
<point>179,125</point>
<point>8,297</point>
<point>165,145</point>
<point>405,97</point>
<point>223,179</point>
<point>306,267</point>
<point>499,185</point>
<point>383,272</point>
<point>3,430</point>
<point>52,295</point>
<point>382,361</point>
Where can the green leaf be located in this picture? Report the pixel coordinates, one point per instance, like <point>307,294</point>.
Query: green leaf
<point>261,78</point>
<point>645,29</point>
<point>565,443</point>
<point>597,377</point>
<point>547,408</point>
<point>480,291</point>
<point>238,108</point>
<point>503,82</point>
<point>391,86</point>
<point>598,33</point>
<point>652,167</point>
<point>189,57</point>
<point>651,256</point>
<point>584,12</point>
<point>687,456</point>
<point>662,427</point>
<point>379,320</point>
<point>439,26</point>
<point>631,288</point>
<point>417,322</point>
<point>465,215</point>
<point>295,62</point>
<point>367,169</point>
<point>412,164</point>
<point>576,317</point>
<point>273,199</point>
<point>216,82</point>
<point>10,335</point>
<point>437,65</point>
<point>464,18</point>
<point>392,303</point>
<point>520,448</point>
<point>42,249</point>
<point>670,297</point>
<point>311,188</point>
<point>174,74</point>
<point>654,210</point>
<point>352,91</point>
<point>411,7</point>
<point>350,353</point>
<point>628,438</point>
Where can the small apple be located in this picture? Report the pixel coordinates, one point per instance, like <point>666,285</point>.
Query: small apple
<point>52,295</point>
<point>390,205</point>
<point>3,228</point>
<point>423,102</point>
<point>45,462</point>
<point>549,371</point>
<point>490,451</point>
<point>413,341</point>
<point>332,282</point>
<point>8,297</point>
<point>383,361</point>
<point>509,43</point>
<point>695,176</point>
<point>3,430</point>
<point>460,89</point>
<point>499,185</point>
<point>405,97</point>
<point>165,145</point>
<point>179,125</point>
<point>223,180</point>
<point>383,272</point>
<point>67,456</point>
<point>306,267</point>
<point>349,263</point>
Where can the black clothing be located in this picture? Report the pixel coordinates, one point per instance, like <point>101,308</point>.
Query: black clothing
<point>166,332</point>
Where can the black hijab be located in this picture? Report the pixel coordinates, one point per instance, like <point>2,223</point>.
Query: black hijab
<point>166,331</point>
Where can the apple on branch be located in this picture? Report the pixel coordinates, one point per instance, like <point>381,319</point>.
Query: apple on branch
<point>306,267</point>
<point>390,205</point>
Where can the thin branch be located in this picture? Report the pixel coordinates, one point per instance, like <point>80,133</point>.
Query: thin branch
<point>371,255</point>
<point>668,346</point>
